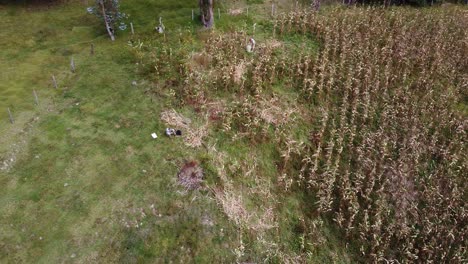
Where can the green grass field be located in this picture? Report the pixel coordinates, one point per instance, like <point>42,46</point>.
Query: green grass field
<point>84,181</point>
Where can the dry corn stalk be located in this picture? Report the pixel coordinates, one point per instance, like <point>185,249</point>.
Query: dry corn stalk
<point>172,118</point>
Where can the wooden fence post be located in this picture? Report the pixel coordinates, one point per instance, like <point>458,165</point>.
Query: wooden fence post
<point>72,65</point>
<point>54,82</point>
<point>92,49</point>
<point>36,99</point>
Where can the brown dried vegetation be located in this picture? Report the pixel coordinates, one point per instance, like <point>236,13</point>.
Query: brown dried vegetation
<point>386,156</point>
<point>389,161</point>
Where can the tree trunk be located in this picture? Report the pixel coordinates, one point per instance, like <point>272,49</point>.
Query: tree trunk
<point>206,12</point>
<point>108,28</point>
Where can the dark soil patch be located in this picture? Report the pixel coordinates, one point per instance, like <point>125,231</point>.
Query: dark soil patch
<point>190,175</point>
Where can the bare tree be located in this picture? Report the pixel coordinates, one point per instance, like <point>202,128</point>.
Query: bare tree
<point>206,12</point>
<point>109,29</point>
<point>109,11</point>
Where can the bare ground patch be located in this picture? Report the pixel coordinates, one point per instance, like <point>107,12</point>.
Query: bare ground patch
<point>190,175</point>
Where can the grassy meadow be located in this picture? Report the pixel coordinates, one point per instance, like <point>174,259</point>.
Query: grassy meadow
<point>83,181</point>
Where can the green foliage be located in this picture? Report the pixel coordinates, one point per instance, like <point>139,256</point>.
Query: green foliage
<point>250,2</point>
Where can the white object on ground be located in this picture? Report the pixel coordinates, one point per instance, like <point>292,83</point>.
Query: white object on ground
<point>160,29</point>
<point>170,132</point>
<point>154,135</point>
<point>251,45</point>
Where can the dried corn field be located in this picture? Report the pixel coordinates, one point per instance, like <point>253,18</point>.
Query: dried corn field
<point>389,161</point>
<point>383,99</point>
